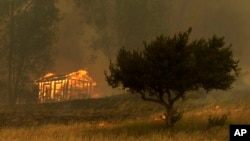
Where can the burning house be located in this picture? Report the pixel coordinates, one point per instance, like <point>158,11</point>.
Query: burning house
<point>55,88</point>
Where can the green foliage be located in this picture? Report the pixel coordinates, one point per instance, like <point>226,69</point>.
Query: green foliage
<point>216,66</point>
<point>170,66</point>
<point>217,120</point>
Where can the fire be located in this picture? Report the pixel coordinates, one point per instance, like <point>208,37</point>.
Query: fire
<point>161,117</point>
<point>75,85</point>
<point>78,74</point>
<point>49,74</point>
<point>101,124</point>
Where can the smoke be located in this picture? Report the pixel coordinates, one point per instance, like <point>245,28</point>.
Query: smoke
<point>226,18</point>
<point>75,40</point>
<point>76,37</point>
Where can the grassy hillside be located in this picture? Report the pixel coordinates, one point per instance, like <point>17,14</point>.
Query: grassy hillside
<point>124,117</point>
<point>111,109</point>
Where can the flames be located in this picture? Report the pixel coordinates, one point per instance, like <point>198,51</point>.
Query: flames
<point>163,116</point>
<point>80,75</point>
<point>48,75</point>
<point>60,87</point>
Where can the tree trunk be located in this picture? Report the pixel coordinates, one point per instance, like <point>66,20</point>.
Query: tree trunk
<point>169,116</point>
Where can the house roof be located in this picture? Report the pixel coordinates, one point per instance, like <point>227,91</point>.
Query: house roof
<point>78,75</point>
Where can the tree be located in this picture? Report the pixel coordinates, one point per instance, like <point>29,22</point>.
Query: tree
<point>28,35</point>
<point>169,67</point>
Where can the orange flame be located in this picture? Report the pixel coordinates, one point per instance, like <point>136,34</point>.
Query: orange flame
<point>48,74</point>
<point>75,85</point>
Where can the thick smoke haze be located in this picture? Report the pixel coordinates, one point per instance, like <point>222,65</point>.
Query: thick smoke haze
<point>73,47</point>
<point>79,43</point>
<point>226,18</point>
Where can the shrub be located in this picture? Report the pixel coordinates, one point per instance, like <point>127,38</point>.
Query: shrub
<point>177,115</point>
<point>217,120</point>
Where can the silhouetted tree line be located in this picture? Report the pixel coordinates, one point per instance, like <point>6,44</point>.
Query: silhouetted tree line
<point>27,37</point>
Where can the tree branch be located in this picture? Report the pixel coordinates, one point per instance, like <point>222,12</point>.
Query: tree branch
<point>170,101</point>
<point>156,101</point>
<point>178,96</point>
<point>162,102</point>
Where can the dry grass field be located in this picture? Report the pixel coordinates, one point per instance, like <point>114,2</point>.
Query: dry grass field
<point>123,117</point>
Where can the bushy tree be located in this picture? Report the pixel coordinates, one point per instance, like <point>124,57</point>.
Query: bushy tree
<point>168,67</point>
